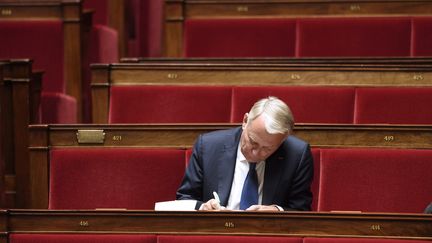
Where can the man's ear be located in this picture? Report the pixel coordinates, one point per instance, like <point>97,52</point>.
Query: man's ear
<point>245,118</point>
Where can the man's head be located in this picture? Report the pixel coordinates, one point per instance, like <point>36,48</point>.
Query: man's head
<point>265,127</point>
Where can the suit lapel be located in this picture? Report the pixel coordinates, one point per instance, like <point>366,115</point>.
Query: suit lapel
<point>226,166</point>
<point>272,176</point>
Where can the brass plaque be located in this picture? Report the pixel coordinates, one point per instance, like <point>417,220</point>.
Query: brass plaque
<point>90,136</point>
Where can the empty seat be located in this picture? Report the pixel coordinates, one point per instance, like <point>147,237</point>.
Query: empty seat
<point>353,37</point>
<point>316,154</point>
<point>392,105</point>
<point>308,104</point>
<point>169,104</point>
<point>422,36</point>
<point>42,41</point>
<point>89,178</point>
<point>375,180</point>
<point>239,38</point>
<point>81,238</point>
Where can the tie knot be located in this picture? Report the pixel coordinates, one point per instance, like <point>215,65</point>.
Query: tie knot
<point>252,166</point>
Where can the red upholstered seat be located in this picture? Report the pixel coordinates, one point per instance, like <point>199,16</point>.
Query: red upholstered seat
<point>422,36</point>
<point>89,178</point>
<point>41,41</point>
<point>316,154</point>
<point>357,240</point>
<point>144,28</point>
<point>81,238</point>
<point>308,104</point>
<point>353,36</point>
<point>391,105</point>
<point>239,38</point>
<point>225,239</point>
<point>188,155</point>
<point>58,108</point>
<point>375,180</point>
<point>167,104</point>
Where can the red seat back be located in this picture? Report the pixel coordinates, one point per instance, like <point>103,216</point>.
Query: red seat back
<point>221,239</point>
<point>239,38</point>
<point>169,104</point>
<point>85,178</point>
<point>41,41</point>
<point>422,36</point>
<point>393,105</point>
<point>357,240</point>
<point>355,37</point>
<point>81,238</point>
<point>375,180</point>
<point>308,104</point>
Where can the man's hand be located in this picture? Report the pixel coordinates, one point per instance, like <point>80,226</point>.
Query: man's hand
<point>211,205</point>
<point>262,208</point>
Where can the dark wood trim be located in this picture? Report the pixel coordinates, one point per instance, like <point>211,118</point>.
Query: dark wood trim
<point>21,100</point>
<point>298,224</point>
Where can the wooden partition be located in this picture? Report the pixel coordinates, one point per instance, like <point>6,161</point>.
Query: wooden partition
<point>70,13</point>
<point>327,61</point>
<point>282,224</point>
<point>105,76</point>
<point>179,11</point>
<point>43,138</point>
<point>21,88</point>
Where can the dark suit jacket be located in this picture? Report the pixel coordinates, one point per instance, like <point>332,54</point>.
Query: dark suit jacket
<point>287,178</point>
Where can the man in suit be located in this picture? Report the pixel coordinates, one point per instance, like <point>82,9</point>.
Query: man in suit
<point>280,164</point>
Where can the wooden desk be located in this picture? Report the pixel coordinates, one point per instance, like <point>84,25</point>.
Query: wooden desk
<point>21,91</point>
<point>299,224</point>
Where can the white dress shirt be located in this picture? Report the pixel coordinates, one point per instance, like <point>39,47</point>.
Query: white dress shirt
<point>240,172</point>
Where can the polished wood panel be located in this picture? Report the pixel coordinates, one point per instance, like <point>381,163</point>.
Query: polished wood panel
<point>46,137</point>
<point>299,224</point>
<point>21,87</point>
<point>177,11</point>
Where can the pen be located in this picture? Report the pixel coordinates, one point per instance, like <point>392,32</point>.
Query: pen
<point>216,197</point>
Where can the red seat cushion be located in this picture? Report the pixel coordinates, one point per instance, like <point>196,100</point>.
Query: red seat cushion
<point>316,154</point>
<point>393,105</point>
<point>308,104</point>
<point>239,38</point>
<point>58,108</point>
<point>353,36</point>
<point>224,239</point>
<point>375,180</point>
<point>80,238</point>
<point>89,178</point>
<point>169,104</point>
<point>422,36</point>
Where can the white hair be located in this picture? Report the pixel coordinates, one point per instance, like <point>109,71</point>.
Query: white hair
<point>277,115</point>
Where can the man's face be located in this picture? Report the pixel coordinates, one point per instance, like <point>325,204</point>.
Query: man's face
<point>256,143</point>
